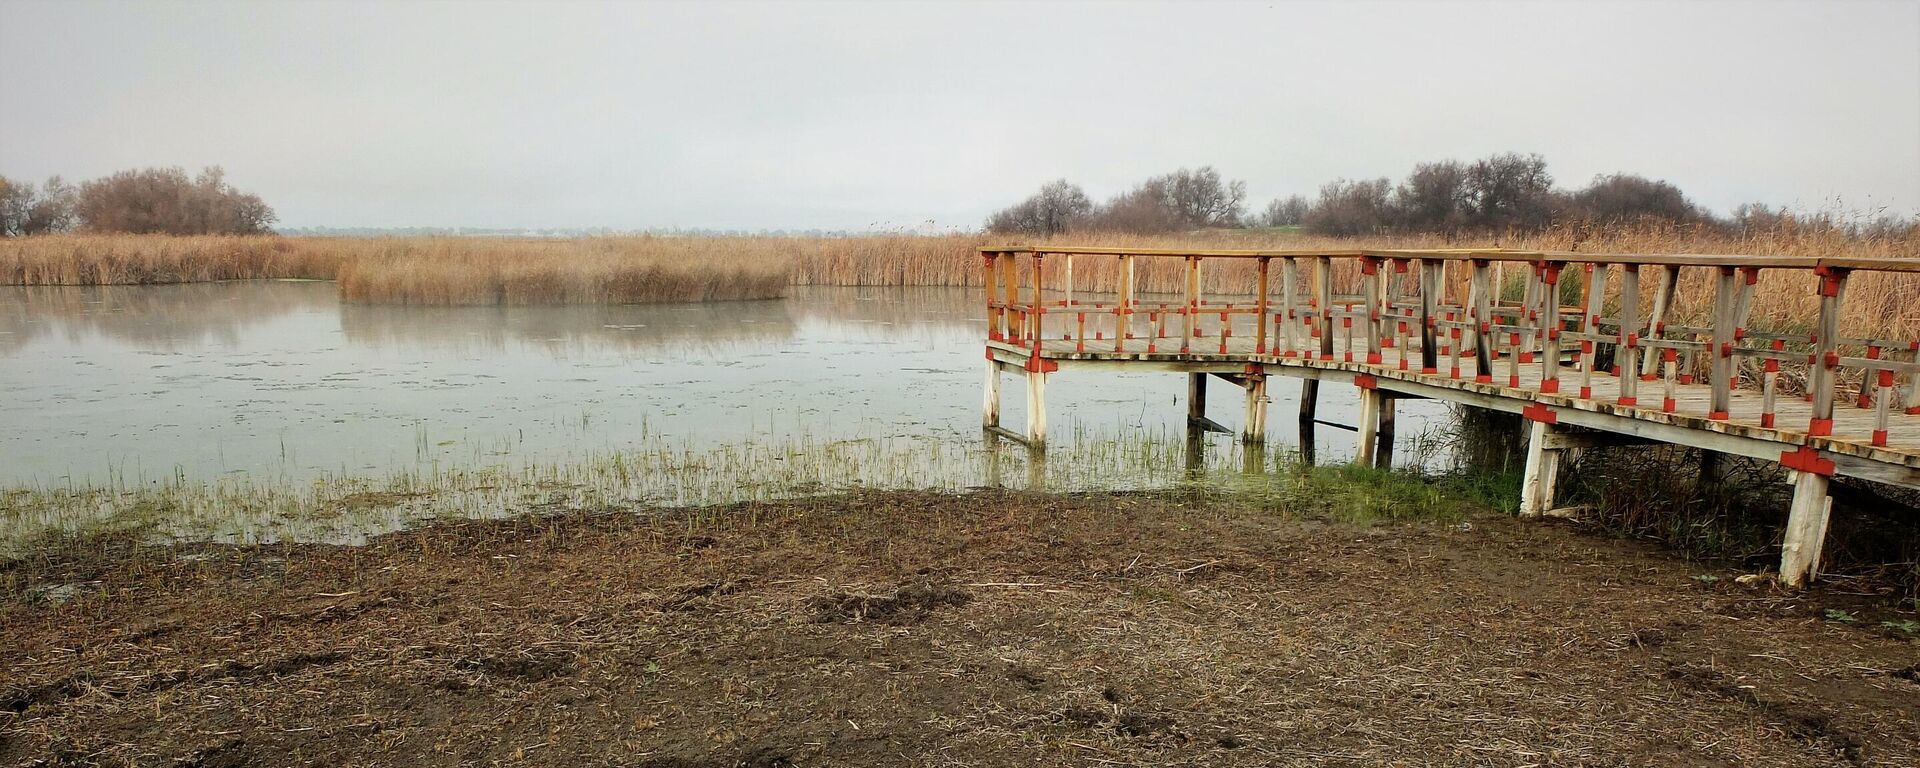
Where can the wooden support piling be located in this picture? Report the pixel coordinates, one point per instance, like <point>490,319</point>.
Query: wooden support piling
<point>1806,529</point>
<point>1369,427</point>
<point>1037,410</point>
<point>990,408</point>
<point>1255,430</point>
<point>1540,478</point>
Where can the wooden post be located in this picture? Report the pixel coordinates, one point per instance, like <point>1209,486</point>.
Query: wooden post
<point>1657,325</point>
<point>1720,374</point>
<point>1288,271</point>
<point>1323,302</point>
<point>1309,399</point>
<point>1196,399</point>
<point>1370,267</point>
<point>1123,327</point>
<point>1806,529</point>
<point>1255,431</point>
<point>1260,332</point>
<point>1549,327</point>
<point>1369,426</point>
<point>1039,330</point>
<point>990,409</point>
<point>993,310</point>
<point>1479,298</point>
<point>1036,410</point>
<point>1068,279</point>
<point>1626,358</point>
<point>1826,349</point>
<point>1541,475</point>
<point>1590,326</point>
<point>1383,443</point>
<point>1192,314</point>
<point>1429,298</point>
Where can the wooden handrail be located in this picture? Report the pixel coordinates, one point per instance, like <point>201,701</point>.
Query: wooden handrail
<point>1397,313</point>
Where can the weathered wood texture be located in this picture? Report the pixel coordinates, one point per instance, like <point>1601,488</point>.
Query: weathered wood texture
<point>1387,318</point>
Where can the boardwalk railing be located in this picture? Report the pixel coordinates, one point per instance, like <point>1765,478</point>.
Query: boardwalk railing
<point>1587,340</point>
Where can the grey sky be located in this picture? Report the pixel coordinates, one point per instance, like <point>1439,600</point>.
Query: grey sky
<point>887,115</point>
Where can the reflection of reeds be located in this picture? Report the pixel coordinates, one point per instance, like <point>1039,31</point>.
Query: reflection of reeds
<point>153,317</point>
<point>621,327</point>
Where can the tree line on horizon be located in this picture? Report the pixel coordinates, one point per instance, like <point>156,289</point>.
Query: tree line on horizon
<point>1507,192</point>
<point>139,201</point>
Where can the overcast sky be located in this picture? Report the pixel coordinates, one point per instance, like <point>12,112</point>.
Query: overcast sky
<point>871,115</point>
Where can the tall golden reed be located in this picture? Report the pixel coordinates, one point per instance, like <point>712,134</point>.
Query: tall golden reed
<point>474,270</point>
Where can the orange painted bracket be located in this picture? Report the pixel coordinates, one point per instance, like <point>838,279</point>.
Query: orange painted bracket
<point>1541,413</point>
<point>1037,364</point>
<point>1807,460</point>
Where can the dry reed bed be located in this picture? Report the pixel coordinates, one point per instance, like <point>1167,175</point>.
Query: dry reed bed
<point>458,272</point>
<point>453,270</point>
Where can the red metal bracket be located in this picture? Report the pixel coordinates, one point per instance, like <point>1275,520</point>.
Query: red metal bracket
<point>1037,364</point>
<point>1807,460</point>
<point>1541,413</point>
<point>1366,381</point>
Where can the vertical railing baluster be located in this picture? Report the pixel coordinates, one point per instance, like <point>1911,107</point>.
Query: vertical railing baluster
<point>1370,268</point>
<point>1430,287</point>
<point>1260,312</point>
<point>1670,364</point>
<point>1590,325</point>
<point>1657,323</point>
<point>1123,329</point>
<point>1549,327</point>
<point>1039,302</point>
<point>1479,299</point>
<point>1913,380</point>
<point>1826,350</point>
<point>1323,303</point>
<point>1720,374</point>
<point>1289,269</point>
<point>993,309</point>
<point>1770,384</point>
<point>1626,355</point>
<point>1193,304</point>
<point>1885,403</point>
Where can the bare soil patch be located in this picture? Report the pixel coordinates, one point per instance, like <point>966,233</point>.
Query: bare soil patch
<point>918,629</point>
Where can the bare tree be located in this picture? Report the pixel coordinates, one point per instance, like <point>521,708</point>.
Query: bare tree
<point>1056,208</point>
<point>1350,208</point>
<point>1434,198</point>
<point>25,210</point>
<point>1290,211</point>
<point>1182,200</point>
<point>15,199</point>
<point>1510,191</point>
<point>165,200</point>
<point>1624,197</point>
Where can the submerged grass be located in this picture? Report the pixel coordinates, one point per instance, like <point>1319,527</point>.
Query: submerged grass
<point>349,509</point>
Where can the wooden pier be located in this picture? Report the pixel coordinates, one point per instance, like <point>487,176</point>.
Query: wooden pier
<point>1583,346</point>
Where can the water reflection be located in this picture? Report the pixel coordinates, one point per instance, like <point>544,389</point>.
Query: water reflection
<point>279,386</point>
<point>714,329</point>
<point>153,317</point>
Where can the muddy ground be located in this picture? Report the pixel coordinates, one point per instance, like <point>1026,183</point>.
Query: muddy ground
<point>918,629</point>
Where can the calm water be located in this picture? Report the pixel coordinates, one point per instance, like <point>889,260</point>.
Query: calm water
<point>279,383</point>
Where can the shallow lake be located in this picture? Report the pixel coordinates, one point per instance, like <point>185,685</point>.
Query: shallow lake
<point>278,384</point>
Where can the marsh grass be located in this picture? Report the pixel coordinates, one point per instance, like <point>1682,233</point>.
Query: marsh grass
<point>663,473</point>
<point>474,270</point>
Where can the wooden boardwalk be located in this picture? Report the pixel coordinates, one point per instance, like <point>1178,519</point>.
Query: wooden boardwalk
<point>1606,360</point>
